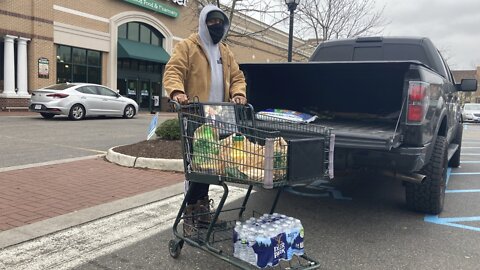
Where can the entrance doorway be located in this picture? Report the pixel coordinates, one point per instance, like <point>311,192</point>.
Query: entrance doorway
<point>140,81</point>
<point>142,90</point>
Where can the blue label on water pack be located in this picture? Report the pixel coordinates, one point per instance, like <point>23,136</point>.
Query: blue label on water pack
<point>270,250</point>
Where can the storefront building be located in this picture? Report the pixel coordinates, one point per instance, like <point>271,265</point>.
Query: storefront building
<point>123,44</point>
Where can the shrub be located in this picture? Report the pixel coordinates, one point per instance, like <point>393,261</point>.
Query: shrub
<point>169,130</point>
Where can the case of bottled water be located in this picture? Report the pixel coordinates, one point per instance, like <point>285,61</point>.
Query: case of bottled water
<point>267,240</point>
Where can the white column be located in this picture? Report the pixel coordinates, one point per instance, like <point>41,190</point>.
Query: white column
<point>8,68</point>
<point>22,71</point>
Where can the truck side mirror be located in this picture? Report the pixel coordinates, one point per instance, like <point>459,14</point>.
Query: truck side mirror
<point>467,85</point>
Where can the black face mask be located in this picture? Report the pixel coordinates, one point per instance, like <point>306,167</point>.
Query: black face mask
<point>216,32</point>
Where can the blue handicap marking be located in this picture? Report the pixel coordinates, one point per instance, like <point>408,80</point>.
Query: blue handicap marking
<point>318,188</point>
<point>451,221</point>
<point>454,221</point>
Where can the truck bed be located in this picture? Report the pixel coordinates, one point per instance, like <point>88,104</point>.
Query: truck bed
<point>349,133</point>
<point>362,101</point>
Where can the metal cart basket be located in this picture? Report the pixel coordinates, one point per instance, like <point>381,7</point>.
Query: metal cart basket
<point>228,143</point>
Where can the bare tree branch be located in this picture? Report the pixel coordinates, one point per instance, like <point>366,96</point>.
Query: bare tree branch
<point>328,19</point>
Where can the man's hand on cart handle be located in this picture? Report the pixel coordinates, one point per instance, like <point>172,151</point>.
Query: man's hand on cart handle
<point>180,97</point>
<point>239,99</point>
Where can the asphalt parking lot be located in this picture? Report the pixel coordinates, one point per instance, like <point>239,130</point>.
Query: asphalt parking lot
<point>29,138</point>
<point>360,222</point>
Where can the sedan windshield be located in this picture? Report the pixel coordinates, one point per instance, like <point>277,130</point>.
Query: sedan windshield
<point>471,107</point>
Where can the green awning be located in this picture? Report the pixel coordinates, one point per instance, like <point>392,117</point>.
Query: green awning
<point>141,51</point>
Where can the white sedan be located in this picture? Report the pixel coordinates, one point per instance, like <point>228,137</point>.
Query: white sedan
<point>471,112</point>
<point>78,100</point>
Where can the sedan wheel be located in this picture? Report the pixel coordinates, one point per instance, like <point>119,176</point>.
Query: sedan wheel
<point>129,112</point>
<point>77,112</point>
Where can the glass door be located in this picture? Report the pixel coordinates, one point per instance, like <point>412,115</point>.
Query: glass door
<point>122,87</point>
<point>132,88</point>
<point>145,94</point>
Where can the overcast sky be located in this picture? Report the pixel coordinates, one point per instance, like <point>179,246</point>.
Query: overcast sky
<point>452,25</point>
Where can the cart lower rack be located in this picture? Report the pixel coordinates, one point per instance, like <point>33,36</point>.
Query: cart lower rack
<point>225,143</point>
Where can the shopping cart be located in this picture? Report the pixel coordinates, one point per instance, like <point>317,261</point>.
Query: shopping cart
<point>228,143</point>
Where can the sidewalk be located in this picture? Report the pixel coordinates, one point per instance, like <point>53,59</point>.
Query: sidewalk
<point>34,195</point>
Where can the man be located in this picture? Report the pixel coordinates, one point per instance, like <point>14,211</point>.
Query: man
<point>202,66</point>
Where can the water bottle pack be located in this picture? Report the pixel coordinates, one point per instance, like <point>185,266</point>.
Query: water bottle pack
<point>267,240</point>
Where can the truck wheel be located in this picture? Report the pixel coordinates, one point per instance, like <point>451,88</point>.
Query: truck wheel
<point>429,196</point>
<point>455,160</point>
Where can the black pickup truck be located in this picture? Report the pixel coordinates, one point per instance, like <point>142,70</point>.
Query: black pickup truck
<point>392,103</point>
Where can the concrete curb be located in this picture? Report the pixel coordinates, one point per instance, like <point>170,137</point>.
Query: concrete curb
<point>141,162</point>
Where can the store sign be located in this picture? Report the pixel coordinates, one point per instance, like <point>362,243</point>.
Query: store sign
<point>155,6</point>
<point>43,70</point>
<point>180,2</point>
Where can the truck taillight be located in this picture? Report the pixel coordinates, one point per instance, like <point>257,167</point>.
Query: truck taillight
<point>418,100</point>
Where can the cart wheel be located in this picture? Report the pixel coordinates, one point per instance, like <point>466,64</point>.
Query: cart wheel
<point>175,247</point>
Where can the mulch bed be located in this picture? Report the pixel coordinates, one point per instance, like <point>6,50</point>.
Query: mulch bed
<point>155,148</point>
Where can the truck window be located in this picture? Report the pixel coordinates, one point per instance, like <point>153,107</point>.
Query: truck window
<point>387,50</point>
<point>368,53</point>
<point>405,52</point>
<point>334,53</point>
<point>445,66</point>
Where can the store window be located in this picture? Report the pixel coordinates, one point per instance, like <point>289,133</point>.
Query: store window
<point>132,31</point>
<point>140,32</point>
<point>78,65</point>
<point>137,65</point>
<point>122,31</point>
<point>145,34</point>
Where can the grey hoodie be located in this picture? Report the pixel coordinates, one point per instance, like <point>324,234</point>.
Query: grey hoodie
<point>212,52</point>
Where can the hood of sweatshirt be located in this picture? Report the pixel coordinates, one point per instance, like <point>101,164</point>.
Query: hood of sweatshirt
<point>202,25</point>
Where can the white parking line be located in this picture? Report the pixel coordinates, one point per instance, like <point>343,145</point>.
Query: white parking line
<point>462,190</point>
<point>465,173</point>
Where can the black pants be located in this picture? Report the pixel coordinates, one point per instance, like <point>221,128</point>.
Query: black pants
<point>198,191</point>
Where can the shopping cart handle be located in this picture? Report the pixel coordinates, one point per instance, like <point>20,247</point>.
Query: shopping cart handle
<point>176,105</point>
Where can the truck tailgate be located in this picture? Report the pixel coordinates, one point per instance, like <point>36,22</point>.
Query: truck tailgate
<point>364,135</point>
<point>346,91</point>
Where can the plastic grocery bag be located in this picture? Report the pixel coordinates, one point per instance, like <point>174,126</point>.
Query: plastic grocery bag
<point>206,146</point>
<point>251,164</point>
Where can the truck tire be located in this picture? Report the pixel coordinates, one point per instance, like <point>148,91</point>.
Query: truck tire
<point>455,160</point>
<point>429,196</point>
